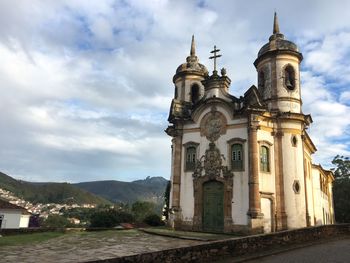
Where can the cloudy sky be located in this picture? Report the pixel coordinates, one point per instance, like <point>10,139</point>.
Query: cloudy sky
<point>86,85</point>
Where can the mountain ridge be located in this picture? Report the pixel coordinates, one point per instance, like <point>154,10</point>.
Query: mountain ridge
<point>149,189</point>
<point>48,192</point>
<point>94,192</point>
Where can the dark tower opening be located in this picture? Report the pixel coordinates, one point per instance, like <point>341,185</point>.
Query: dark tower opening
<point>261,80</point>
<point>289,77</point>
<point>194,93</point>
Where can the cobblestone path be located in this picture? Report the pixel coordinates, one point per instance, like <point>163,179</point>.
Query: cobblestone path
<point>86,246</point>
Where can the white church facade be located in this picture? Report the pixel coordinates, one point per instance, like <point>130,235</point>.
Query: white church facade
<point>245,164</point>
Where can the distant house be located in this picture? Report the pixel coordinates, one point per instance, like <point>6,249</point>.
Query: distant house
<point>13,216</point>
<point>74,221</point>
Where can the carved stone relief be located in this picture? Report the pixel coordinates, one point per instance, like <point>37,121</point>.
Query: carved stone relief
<point>213,125</point>
<point>210,165</point>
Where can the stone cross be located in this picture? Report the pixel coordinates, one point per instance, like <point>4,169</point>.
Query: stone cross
<point>215,57</point>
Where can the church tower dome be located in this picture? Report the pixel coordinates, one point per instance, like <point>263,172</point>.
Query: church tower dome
<point>278,67</point>
<point>277,42</point>
<point>188,78</point>
<point>192,65</point>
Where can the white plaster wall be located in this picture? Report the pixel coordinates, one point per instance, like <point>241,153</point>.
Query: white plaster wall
<point>11,218</point>
<point>240,198</point>
<point>186,188</point>
<point>310,190</point>
<point>24,221</point>
<point>317,196</point>
<point>293,169</point>
<point>310,198</point>
<point>187,198</point>
<point>266,210</point>
<point>323,205</point>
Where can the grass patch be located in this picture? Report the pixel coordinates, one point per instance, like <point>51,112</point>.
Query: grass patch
<point>28,238</point>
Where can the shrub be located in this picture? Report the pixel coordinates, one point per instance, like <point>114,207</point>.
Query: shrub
<point>124,217</point>
<point>56,221</point>
<point>142,209</point>
<point>110,218</point>
<point>153,220</point>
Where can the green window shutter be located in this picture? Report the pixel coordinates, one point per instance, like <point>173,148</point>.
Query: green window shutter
<point>190,158</point>
<point>237,156</point>
<point>264,159</point>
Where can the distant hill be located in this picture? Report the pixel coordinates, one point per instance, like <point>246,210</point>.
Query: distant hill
<point>49,192</point>
<point>149,189</point>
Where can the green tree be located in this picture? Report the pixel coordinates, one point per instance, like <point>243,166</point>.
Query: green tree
<point>341,189</point>
<point>167,200</point>
<point>56,221</point>
<point>142,209</point>
<point>342,169</point>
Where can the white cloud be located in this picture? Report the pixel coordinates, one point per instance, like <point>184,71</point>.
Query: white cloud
<point>86,86</point>
<point>345,97</point>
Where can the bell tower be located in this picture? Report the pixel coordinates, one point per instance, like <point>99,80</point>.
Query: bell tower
<point>278,68</point>
<point>188,78</point>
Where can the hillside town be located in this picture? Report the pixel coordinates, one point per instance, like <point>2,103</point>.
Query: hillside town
<point>43,210</point>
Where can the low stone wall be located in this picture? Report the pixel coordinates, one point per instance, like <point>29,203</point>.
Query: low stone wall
<point>236,246</point>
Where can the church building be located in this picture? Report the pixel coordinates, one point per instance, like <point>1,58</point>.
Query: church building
<point>245,163</point>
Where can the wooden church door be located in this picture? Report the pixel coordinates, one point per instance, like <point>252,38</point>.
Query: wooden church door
<point>213,206</point>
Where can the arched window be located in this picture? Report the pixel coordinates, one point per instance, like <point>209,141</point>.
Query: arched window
<point>194,93</point>
<point>237,156</point>
<point>191,158</point>
<point>289,77</point>
<point>264,159</point>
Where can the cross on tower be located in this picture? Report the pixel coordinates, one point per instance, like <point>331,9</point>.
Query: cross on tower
<point>215,57</point>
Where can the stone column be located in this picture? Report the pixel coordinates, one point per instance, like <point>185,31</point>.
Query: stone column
<point>281,216</point>
<point>254,211</point>
<point>307,215</point>
<point>176,184</point>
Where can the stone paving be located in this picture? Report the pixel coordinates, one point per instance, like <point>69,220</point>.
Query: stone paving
<point>334,251</point>
<point>88,246</point>
<point>326,251</point>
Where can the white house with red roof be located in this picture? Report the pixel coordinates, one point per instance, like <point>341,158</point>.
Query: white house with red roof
<point>13,216</point>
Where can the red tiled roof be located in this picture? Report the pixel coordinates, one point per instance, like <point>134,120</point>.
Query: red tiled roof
<point>7,205</point>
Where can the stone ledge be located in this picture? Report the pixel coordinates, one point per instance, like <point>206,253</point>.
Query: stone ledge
<point>216,250</point>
